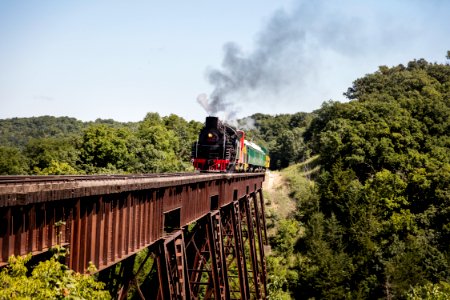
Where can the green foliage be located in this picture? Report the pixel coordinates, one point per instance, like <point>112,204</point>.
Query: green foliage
<point>12,161</point>
<point>376,222</point>
<point>278,278</point>
<point>287,235</point>
<point>57,168</point>
<point>104,147</point>
<point>159,146</point>
<point>439,291</point>
<point>49,280</point>
<point>17,132</point>
<point>186,132</point>
<point>57,146</point>
<point>51,156</point>
<point>383,210</point>
<point>325,270</point>
<point>282,135</point>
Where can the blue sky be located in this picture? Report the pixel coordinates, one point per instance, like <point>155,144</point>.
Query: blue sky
<point>122,59</point>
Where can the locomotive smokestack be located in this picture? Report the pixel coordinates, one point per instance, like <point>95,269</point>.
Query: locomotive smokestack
<point>212,122</point>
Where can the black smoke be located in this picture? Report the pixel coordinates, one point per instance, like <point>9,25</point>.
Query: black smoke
<point>289,51</point>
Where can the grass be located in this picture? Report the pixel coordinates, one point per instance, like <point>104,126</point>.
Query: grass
<point>279,204</point>
<point>288,193</point>
<point>300,180</point>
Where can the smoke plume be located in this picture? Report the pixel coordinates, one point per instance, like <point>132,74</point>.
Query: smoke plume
<point>298,49</point>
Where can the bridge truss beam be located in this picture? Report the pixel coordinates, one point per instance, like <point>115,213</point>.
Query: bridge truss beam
<point>220,257</point>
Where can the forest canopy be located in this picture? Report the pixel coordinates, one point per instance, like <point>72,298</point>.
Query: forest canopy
<point>49,145</point>
<point>377,222</point>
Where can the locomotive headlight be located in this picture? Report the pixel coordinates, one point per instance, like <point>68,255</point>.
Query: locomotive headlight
<point>211,137</point>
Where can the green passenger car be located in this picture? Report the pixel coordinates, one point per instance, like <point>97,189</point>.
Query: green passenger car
<point>256,156</point>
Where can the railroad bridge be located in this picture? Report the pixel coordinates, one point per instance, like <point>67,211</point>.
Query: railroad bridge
<point>203,234</point>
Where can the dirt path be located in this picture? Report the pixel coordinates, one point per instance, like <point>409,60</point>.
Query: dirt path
<point>277,195</point>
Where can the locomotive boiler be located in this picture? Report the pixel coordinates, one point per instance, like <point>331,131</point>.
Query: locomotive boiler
<point>222,148</point>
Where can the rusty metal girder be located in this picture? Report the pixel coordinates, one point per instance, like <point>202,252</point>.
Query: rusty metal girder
<point>175,267</point>
<point>251,239</point>
<point>234,253</point>
<point>207,273</point>
<point>217,250</point>
<point>109,219</point>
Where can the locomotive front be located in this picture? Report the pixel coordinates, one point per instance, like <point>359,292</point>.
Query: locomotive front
<point>216,147</point>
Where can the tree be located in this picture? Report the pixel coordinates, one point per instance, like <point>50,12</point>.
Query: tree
<point>158,146</point>
<point>47,153</point>
<point>185,132</point>
<point>12,162</point>
<point>106,149</point>
<point>48,280</point>
<point>383,218</point>
<point>17,132</point>
<point>282,135</point>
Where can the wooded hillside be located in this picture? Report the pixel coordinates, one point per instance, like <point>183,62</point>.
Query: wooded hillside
<point>49,145</point>
<point>376,221</point>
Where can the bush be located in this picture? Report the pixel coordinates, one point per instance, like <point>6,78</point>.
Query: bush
<point>48,280</point>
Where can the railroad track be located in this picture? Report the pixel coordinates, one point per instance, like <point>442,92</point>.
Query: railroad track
<point>5,179</point>
<point>22,179</point>
<point>23,190</point>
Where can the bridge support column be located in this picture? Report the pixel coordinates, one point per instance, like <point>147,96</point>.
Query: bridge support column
<point>219,247</point>
<point>206,261</point>
<point>217,256</point>
<point>234,252</point>
<point>250,230</point>
<point>260,232</point>
<point>253,229</point>
<point>172,268</point>
<point>263,216</point>
<point>129,278</point>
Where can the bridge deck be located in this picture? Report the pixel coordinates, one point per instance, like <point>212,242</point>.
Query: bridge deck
<point>108,218</point>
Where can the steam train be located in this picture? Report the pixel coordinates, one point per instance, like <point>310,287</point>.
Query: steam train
<point>221,148</point>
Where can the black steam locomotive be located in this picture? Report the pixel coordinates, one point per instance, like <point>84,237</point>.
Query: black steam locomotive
<point>221,148</point>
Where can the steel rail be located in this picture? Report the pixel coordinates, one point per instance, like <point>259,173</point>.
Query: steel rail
<point>53,178</point>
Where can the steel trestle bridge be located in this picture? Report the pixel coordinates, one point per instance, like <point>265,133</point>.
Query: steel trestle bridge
<point>203,233</point>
